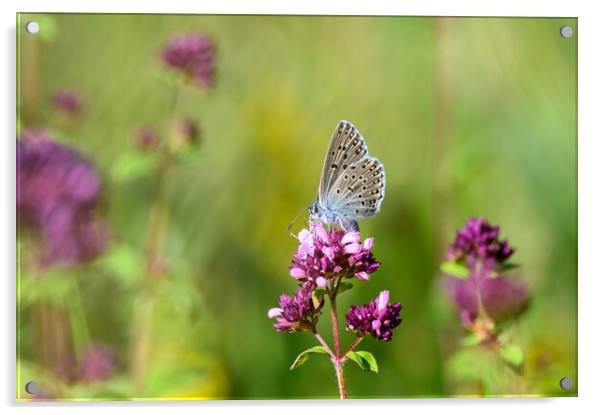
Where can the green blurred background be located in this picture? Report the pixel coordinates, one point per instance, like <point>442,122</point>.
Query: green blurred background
<point>470,116</point>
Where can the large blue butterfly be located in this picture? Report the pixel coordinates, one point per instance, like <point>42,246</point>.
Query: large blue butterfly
<point>352,186</point>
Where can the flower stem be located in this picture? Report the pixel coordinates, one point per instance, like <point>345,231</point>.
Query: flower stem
<point>353,346</point>
<point>338,363</point>
<point>325,345</point>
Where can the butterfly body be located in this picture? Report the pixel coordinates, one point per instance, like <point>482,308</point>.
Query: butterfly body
<point>352,186</point>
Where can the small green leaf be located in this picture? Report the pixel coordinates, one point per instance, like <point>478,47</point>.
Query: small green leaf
<point>124,263</point>
<point>513,355</point>
<point>132,165</point>
<point>365,360</point>
<point>506,266</point>
<point>344,286</point>
<point>455,269</point>
<point>305,354</point>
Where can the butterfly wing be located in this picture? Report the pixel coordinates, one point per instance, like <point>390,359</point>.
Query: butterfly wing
<point>347,146</point>
<point>358,191</point>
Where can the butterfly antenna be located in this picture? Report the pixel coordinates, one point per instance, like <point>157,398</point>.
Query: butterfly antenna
<point>290,225</point>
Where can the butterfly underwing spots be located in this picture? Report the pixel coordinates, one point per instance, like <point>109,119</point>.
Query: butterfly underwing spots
<point>345,156</point>
<point>364,187</point>
<point>353,167</point>
<point>332,153</point>
<point>334,165</point>
<point>338,191</point>
<point>353,176</point>
<point>344,166</point>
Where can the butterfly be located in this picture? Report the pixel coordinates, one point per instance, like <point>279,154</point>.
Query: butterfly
<point>352,185</point>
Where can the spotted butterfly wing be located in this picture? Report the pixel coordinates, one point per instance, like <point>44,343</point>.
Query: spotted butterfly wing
<point>352,186</point>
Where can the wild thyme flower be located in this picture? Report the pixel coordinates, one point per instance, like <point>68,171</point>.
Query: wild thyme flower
<point>194,55</point>
<point>485,297</point>
<point>57,194</point>
<point>377,319</point>
<point>478,242</point>
<point>67,101</point>
<point>323,255</point>
<point>296,313</point>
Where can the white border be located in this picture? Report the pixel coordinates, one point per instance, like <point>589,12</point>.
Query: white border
<point>590,202</point>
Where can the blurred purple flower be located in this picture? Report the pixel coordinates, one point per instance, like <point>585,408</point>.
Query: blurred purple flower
<point>478,242</point>
<point>57,192</point>
<point>67,101</point>
<point>193,54</point>
<point>98,363</point>
<point>377,318</point>
<point>146,138</point>
<point>296,313</point>
<point>501,297</point>
<point>324,255</point>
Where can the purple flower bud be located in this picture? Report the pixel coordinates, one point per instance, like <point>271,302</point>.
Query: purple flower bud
<point>351,238</point>
<point>193,54</point>
<point>57,194</point>
<point>322,282</point>
<point>67,101</point>
<point>275,312</point>
<point>377,319</point>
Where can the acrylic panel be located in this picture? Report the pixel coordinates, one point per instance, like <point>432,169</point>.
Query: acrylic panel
<point>427,168</point>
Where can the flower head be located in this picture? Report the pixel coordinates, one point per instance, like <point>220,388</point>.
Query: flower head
<point>98,363</point>
<point>57,193</point>
<point>377,318</point>
<point>323,255</point>
<point>295,313</point>
<point>67,101</point>
<point>479,241</point>
<point>194,55</point>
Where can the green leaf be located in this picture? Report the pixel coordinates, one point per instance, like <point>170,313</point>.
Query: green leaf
<point>512,355</point>
<point>365,360</point>
<point>344,286</point>
<point>455,269</point>
<point>305,354</point>
<point>124,263</point>
<point>132,165</point>
<point>506,266</point>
